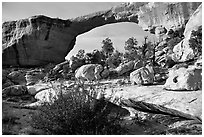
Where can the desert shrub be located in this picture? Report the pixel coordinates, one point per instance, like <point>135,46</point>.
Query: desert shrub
<point>114,60</point>
<point>77,113</point>
<point>95,57</point>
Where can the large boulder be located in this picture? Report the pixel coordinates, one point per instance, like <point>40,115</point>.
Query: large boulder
<point>183,79</point>
<point>183,51</point>
<point>17,77</point>
<point>142,76</point>
<point>89,72</point>
<point>34,89</point>
<point>33,76</point>
<point>15,90</point>
<point>126,67</point>
<point>40,40</point>
<point>47,95</point>
<point>154,99</point>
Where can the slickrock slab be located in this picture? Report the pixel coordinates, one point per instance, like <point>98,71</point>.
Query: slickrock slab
<point>157,100</point>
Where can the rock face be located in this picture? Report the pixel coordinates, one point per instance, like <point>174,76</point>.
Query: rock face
<point>182,51</point>
<point>142,76</point>
<point>34,89</point>
<point>89,72</point>
<point>124,68</point>
<point>40,40</point>
<point>184,79</point>
<point>34,76</point>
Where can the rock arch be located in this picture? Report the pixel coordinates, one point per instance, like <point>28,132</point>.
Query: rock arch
<point>40,40</point>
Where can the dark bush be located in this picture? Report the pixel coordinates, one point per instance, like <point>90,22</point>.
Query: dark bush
<point>77,113</point>
<point>196,41</point>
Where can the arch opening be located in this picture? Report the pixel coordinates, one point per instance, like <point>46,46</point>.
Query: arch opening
<point>117,32</point>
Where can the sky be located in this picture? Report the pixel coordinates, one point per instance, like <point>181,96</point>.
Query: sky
<point>118,32</point>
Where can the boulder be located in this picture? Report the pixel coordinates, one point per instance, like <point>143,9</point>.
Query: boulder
<point>47,95</point>
<point>51,39</point>
<point>142,76</point>
<point>89,72</point>
<point>154,99</point>
<point>123,68</point>
<point>34,76</point>
<point>34,89</point>
<point>17,77</point>
<point>184,79</point>
<point>16,90</point>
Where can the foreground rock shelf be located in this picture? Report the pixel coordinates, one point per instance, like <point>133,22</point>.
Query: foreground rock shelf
<point>154,99</point>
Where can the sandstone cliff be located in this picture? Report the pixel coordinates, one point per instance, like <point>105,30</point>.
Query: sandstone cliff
<point>183,51</point>
<point>40,40</point>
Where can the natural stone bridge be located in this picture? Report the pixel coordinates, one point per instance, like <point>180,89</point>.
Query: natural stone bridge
<point>40,40</point>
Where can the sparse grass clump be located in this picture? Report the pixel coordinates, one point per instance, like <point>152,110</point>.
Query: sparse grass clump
<point>77,113</point>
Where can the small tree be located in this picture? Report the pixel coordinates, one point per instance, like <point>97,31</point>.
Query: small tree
<point>80,54</point>
<point>107,47</point>
<point>95,57</point>
<point>131,49</point>
<point>131,44</point>
<point>144,48</point>
<point>114,60</point>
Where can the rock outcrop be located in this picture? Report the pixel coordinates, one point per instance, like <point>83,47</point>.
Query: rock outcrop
<point>183,79</point>
<point>183,51</point>
<point>40,40</point>
<point>142,76</point>
<point>123,68</point>
<point>89,72</point>
<point>155,99</point>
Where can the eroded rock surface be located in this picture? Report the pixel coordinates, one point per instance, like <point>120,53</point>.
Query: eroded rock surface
<point>155,99</point>
<point>40,40</point>
<point>142,76</point>
<point>123,68</point>
<point>89,72</point>
<point>183,79</point>
<point>183,51</point>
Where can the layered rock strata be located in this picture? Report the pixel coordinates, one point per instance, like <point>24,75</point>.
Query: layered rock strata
<point>40,40</point>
